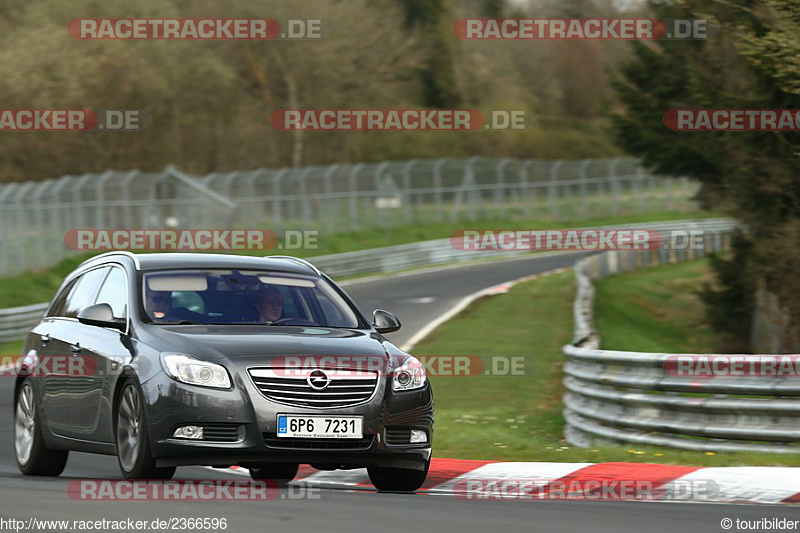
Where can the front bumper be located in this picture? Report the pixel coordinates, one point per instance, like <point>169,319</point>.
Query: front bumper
<point>172,404</point>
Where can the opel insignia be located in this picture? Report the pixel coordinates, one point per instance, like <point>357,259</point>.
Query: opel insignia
<point>219,360</point>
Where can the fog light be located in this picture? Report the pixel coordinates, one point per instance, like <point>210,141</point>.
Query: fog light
<point>188,432</point>
<point>418,436</point>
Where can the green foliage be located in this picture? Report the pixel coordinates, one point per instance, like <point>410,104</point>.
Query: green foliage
<point>729,308</point>
<point>656,309</point>
<point>752,64</point>
<point>211,101</point>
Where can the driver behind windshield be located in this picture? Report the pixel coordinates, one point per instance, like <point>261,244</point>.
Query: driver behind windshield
<point>269,304</point>
<point>159,305</point>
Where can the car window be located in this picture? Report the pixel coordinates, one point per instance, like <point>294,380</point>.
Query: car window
<point>83,293</point>
<point>238,297</point>
<point>333,315</point>
<point>114,292</point>
<point>189,300</point>
<point>57,309</point>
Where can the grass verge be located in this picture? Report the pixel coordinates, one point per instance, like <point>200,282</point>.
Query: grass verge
<point>10,351</point>
<point>518,418</point>
<point>655,310</point>
<point>39,286</point>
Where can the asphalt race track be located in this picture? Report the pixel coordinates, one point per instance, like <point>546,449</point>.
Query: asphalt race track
<point>417,299</point>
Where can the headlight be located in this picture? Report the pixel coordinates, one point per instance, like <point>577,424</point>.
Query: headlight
<point>195,372</point>
<point>408,376</point>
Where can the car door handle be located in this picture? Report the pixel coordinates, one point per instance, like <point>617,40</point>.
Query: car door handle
<point>45,339</point>
<point>75,348</point>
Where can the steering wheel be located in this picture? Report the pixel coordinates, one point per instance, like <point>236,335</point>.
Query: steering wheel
<point>295,322</point>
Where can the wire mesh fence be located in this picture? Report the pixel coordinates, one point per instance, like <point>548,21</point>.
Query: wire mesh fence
<point>34,216</point>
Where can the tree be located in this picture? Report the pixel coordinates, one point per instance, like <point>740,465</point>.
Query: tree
<point>751,64</point>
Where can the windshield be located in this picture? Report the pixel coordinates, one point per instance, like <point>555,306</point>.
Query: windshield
<point>244,297</point>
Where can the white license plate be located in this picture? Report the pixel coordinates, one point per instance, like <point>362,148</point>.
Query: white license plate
<point>320,427</point>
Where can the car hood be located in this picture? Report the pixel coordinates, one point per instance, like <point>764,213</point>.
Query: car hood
<point>253,344</point>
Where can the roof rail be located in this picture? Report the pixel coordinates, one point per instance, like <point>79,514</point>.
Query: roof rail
<point>118,252</point>
<point>295,260</point>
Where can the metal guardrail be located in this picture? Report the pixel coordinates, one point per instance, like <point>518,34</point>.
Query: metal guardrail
<point>618,396</point>
<point>16,321</point>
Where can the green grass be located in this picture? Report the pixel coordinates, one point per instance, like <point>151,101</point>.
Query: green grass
<point>519,418</point>
<point>39,286</point>
<point>655,309</point>
<point>9,350</point>
<point>377,237</point>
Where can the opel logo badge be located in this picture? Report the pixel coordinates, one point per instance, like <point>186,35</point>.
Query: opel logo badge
<point>318,380</point>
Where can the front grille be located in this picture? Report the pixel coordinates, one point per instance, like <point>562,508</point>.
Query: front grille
<point>273,441</point>
<point>222,432</point>
<point>346,387</point>
<point>395,436</point>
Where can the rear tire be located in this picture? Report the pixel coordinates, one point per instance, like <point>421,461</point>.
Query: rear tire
<point>281,473</point>
<point>134,454</point>
<point>397,479</point>
<point>33,456</point>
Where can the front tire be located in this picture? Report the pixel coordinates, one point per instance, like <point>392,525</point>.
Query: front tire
<point>134,453</point>
<point>281,473</point>
<point>34,458</point>
<point>397,479</point>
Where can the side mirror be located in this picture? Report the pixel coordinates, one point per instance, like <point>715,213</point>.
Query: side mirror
<point>384,321</point>
<point>103,316</point>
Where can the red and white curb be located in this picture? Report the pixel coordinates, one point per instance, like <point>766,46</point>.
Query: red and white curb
<point>740,484</point>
